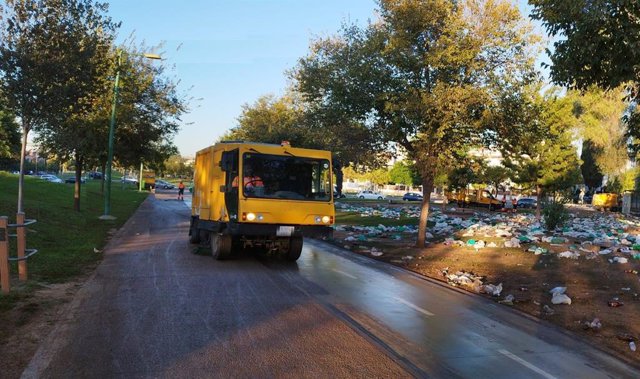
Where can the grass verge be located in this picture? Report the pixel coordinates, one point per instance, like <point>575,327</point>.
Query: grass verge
<point>65,239</point>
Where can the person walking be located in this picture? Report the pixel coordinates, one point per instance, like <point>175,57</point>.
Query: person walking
<point>181,191</point>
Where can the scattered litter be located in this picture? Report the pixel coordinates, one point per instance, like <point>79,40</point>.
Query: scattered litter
<point>375,252</point>
<point>548,310</point>
<point>615,302</point>
<point>632,346</point>
<point>593,325</point>
<point>508,300</point>
<point>492,289</point>
<point>514,242</point>
<point>537,250</point>
<point>618,260</point>
<point>559,296</point>
<point>569,254</point>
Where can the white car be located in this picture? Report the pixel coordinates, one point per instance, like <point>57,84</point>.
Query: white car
<point>51,178</point>
<point>370,195</point>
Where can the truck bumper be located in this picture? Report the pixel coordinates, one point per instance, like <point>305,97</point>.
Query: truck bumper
<point>272,230</point>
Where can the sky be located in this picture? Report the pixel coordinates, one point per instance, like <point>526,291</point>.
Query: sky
<point>227,53</point>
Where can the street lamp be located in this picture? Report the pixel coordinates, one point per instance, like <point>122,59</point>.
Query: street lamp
<point>112,123</point>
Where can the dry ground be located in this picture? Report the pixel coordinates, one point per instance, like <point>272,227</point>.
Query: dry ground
<point>591,284</point>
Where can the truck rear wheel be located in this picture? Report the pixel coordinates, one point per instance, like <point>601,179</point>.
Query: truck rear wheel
<point>295,249</point>
<point>220,245</point>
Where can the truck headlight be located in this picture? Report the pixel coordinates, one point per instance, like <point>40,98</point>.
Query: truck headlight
<point>326,219</point>
<point>251,216</point>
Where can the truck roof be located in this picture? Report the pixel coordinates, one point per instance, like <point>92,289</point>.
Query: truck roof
<point>269,148</point>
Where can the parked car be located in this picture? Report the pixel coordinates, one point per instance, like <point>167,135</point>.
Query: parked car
<point>527,202</point>
<point>164,184</point>
<point>73,180</point>
<point>95,175</point>
<point>412,196</point>
<point>370,195</point>
<point>129,180</point>
<point>51,178</point>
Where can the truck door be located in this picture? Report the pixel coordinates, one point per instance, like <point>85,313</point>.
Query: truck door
<point>232,182</point>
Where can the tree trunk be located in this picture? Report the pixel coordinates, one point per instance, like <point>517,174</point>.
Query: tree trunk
<point>538,202</point>
<point>23,151</point>
<point>427,187</point>
<point>76,192</point>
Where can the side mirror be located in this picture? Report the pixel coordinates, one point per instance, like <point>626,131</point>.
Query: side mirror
<point>223,188</point>
<point>226,163</point>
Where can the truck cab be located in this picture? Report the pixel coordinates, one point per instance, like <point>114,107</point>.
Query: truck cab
<point>261,195</point>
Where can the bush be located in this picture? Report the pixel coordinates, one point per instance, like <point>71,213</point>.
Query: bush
<point>554,215</point>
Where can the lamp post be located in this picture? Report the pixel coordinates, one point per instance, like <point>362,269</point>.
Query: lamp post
<point>112,124</point>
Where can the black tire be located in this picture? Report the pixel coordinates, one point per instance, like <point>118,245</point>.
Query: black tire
<point>379,197</point>
<point>194,233</point>
<point>295,249</point>
<point>361,197</point>
<point>220,245</point>
<point>203,236</point>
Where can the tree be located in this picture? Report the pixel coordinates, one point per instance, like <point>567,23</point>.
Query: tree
<point>52,63</point>
<point>148,112</point>
<point>379,176</point>
<point>494,176</point>
<point>590,171</point>
<point>176,165</point>
<point>9,136</point>
<point>273,120</point>
<point>598,41</point>
<point>401,173</point>
<point>597,45</point>
<point>600,122</point>
<point>539,153</point>
<point>421,76</point>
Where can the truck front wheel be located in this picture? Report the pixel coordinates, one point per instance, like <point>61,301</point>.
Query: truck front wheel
<point>220,245</point>
<point>194,233</point>
<point>295,249</point>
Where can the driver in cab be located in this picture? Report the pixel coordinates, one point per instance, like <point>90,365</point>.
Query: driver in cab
<point>252,183</point>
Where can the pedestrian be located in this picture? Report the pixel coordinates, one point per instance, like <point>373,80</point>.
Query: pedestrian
<point>581,196</point>
<point>181,191</point>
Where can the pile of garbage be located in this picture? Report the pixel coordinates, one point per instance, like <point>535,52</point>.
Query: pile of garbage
<point>587,237</point>
<point>471,281</point>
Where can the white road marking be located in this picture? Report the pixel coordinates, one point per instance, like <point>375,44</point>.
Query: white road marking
<point>413,306</point>
<point>345,274</point>
<point>526,364</point>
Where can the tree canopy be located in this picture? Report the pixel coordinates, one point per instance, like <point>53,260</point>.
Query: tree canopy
<point>597,44</point>
<point>57,68</point>
<point>422,76</point>
<point>539,153</point>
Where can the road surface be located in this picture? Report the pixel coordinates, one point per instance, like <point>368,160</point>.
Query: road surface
<point>156,309</point>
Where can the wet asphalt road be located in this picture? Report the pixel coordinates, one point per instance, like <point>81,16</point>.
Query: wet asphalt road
<point>155,309</point>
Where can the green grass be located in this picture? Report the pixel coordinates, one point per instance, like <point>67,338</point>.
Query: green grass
<point>354,218</point>
<point>65,239</point>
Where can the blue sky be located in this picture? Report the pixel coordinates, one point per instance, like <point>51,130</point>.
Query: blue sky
<point>231,51</point>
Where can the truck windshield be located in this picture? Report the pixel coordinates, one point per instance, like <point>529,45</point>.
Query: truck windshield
<point>286,177</point>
